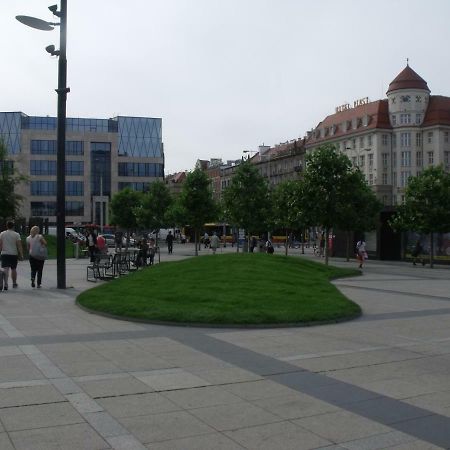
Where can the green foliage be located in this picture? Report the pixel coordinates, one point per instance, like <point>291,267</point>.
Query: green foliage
<point>123,206</point>
<point>289,210</point>
<point>151,212</point>
<point>427,203</point>
<point>195,205</point>
<point>359,207</point>
<point>246,200</point>
<point>10,200</point>
<point>326,181</point>
<point>265,289</point>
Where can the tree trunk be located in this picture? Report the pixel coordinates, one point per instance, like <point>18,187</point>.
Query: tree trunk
<point>127,240</point>
<point>431,250</point>
<point>286,242</point>
<point>348,245</point>
<point>303,240</point>
<point>195,241</point>
<point>327,231</point>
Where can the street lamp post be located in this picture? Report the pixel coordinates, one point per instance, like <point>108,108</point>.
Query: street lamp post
<point>61,129</point>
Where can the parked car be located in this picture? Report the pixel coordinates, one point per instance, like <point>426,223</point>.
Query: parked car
<point>111,240</point>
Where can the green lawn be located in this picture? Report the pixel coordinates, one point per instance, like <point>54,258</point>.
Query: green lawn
<point>51,245</point>
<point>227,289</point>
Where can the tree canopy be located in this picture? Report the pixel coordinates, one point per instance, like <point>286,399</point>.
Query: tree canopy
<point>122,206</point>
<point>195,205</point>
<point>154,204</point>
<point>427,204</point>
<point>246,200</point>
<point>10,200</point>
<point>335,194</point>
<point>289,206</point>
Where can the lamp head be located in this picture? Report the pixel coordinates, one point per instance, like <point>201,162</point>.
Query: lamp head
<point>34,22</point>
<point>54,10</point>
<point>51,49</point>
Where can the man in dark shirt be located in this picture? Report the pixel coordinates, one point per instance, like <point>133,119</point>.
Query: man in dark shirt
<point>169,240</point>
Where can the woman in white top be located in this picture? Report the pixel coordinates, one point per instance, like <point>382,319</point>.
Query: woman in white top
<point>361,253</point>
<point>35,243</point>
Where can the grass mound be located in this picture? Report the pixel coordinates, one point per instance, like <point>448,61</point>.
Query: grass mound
<point>240,289</point>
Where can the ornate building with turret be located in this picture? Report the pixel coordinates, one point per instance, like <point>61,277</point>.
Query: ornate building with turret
<point>392,139</point>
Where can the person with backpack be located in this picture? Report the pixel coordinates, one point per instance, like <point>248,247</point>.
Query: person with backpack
<point>37,252</point>
<point>269,247</point>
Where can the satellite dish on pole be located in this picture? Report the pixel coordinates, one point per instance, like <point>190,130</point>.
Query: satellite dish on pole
<point>34,22</point>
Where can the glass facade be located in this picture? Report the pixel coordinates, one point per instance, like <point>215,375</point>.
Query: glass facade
<point>42,167</point>
<point>131,169</point>
<point>140,137</point>
<point>72,124</point>
<point>43,147</point>
<point>49,209</point>
<point>45,167</point>
<point>136,186</point>
<point>48,147</point>
<point>100,168</point>
<point>10,131</point>
<point>89,158</point>
<point>42,188</point>
<point>75,168</point>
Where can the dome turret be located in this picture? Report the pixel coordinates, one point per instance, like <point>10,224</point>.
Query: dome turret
<point>407,79</point>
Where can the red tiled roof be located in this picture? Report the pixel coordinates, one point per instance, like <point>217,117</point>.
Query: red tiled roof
<point>378,117</point>
<point>438,111</point>
<point>407,79</point>
<point>178,177</point>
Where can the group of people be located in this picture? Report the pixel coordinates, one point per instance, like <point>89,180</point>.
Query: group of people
<point>12,251</point>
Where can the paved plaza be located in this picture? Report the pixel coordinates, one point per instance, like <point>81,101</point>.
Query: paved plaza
<point>74,380</point>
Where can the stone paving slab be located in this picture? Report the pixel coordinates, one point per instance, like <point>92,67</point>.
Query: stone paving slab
<point>214,441</point>
<point>69,437</point>
<point>39,416</point>
<point>138,405</point>
<point>281,435</point>
<point>70,380</point>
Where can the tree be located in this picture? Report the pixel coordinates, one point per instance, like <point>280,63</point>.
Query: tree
<point>289,210</point>
<point>325,187</point>
<point>427,205</point>
<point>246,200</point>
<point>123,206</point>
<point>10,203</point>
<point>151,213</point>
<point>195,205</point>
<point>360,210</point>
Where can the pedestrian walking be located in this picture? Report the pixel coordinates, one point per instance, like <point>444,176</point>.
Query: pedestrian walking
<point>92,244</point>
<point>361,253</point>
<point>37,254</point>
<point>206,240</point>
<point>118,241</point>
<point>151,250</point>
<point>269,247</point>
<point>253,243</point>
<point>322,244</point>
<point>417,253</point>
<point>11,251</point>
<point>214,242</point>
<point>169,240</point>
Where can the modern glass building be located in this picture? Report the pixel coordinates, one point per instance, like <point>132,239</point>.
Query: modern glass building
<point>103,156</point>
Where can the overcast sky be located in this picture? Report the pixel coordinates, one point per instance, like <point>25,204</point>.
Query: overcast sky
<point>224,75</point>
